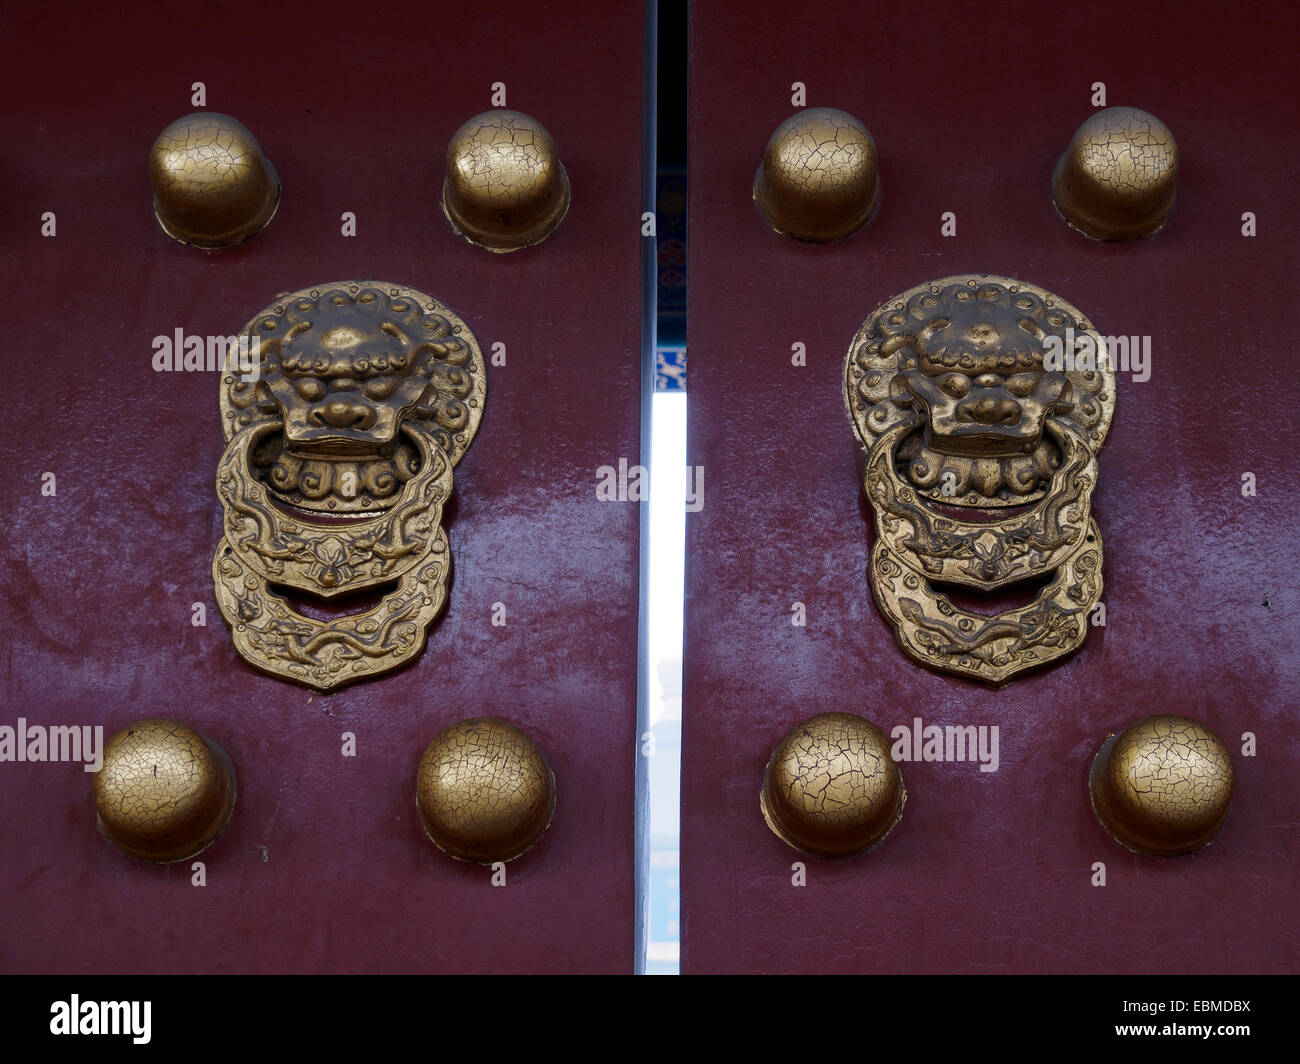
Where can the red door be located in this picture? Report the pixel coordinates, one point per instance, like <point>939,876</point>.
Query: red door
<point>993,871</point>
<point>324,866</point>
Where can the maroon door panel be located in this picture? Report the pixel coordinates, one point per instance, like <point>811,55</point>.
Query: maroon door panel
<point>970,106</point>
<point>324,866</point>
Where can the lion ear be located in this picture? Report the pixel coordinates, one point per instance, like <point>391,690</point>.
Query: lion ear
<point>456,377</point>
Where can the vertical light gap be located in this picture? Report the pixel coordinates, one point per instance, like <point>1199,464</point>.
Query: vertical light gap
<point>664,516</point>
<point>649,313</point>
<point>664,617</point>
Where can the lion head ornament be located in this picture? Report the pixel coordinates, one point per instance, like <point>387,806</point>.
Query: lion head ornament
<point>352,405</point>
<point>982,402</point>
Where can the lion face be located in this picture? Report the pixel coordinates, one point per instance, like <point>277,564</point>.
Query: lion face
<point>982,387</point>
<point>977,374</point>
<point>968,357</point>
<point>345,386</point>
<point>349,373</point>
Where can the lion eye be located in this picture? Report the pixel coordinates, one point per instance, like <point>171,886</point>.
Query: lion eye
<point>310,389</point>
<point>1022,384</point>
<point>380,387</point>
<point>955,384</point>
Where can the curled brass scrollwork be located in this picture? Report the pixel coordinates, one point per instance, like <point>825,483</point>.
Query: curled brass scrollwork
<point>982,402</point>
<point>352,403</point>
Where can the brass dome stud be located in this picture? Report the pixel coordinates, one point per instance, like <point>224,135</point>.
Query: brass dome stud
<point>819,179</point>
<point>1162,786</point>
<point>831,788</point>
<point>484,791</point>
<point>1117,179</point>
<point>505,188</point>
<point>164,792</point>
<point>212,186</point>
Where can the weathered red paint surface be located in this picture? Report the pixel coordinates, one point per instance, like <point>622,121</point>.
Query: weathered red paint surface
<point>991,872</point>
<point>324,866</point>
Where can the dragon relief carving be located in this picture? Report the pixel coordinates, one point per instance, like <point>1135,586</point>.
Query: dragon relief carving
<point>339,457</point>
<point>980,469</point>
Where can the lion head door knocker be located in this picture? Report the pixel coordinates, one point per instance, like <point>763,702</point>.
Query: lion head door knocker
<point>360,397</point>
<point>982,402</point>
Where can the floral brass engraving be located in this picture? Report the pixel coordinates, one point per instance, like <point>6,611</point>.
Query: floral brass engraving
<point>982,402</point>
<point>355,401</point>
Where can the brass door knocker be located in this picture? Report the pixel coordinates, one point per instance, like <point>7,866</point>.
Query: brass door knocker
<point>345,407</point>
<point>982,402</point>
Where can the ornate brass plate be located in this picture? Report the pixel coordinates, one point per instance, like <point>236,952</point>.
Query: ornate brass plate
<point>342,428</point>
<point>982,402</point>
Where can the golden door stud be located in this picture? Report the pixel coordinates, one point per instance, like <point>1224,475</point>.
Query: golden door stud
<point>165,792</point>
<point>1116,180</point>
<point>505,188</point>
<point>818,180</point>
<point>1162,786</point>
<point>212,186</point>
<point>831,788</point>
<point>484,791</point>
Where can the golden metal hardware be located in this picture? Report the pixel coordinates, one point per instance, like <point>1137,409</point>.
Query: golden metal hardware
<point>981,466</point>
<point>505,188</point>
<point>164,792</point>
<point>818,180</point>
<point>357,399</point>
<point>831,788</point>
<point>1162,786</point>
<point>212,186</point>
<point>484,791</point>
<point>1118,177</point>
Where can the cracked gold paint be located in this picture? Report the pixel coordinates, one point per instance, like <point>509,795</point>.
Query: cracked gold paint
<point>212,185</point>
<point>505,188</point>
<point>484,791</point>
<point>1163,786</point>
<point>1117,179</point>
<point>818,180</point>
<point>831,788</point>
<point>164,792</point>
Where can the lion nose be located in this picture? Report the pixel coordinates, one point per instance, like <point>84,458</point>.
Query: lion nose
<point>342,415</point>
<point>989,411</point>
